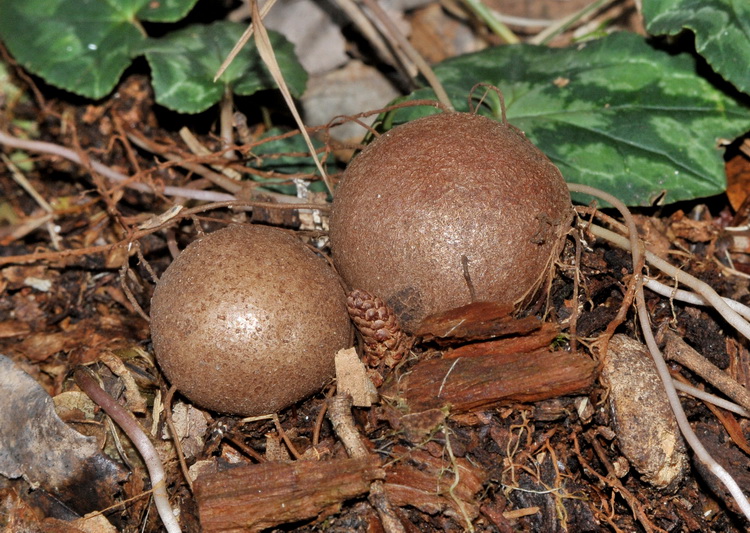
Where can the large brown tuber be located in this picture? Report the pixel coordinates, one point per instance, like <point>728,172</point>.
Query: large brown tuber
<point>446,210</point>
<point>247,320</point>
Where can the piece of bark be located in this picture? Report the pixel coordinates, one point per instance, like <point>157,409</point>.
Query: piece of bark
<point>478,382</point>
<point>352,378</point>
<point>527,343</point>
<point>426,482</point>
<point>479,320</point>
<point>256,497</point>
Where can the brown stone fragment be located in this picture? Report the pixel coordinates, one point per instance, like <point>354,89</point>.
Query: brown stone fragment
<point>256,497</point>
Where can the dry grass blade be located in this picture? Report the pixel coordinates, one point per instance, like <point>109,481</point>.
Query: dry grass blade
<point>393,56</point>
<point>243,41</point>
<point>395,34</point>
<point>265,49</point>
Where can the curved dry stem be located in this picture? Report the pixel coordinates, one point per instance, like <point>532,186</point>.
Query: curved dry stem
<point>104,170</point>
<point>703,290</point>
<point>637,249</point>
<point>691,297</point>
<point>711,398</point>
<point>133,430</point>
<point>267,54</point>
<point>411,52</point>
<point>488,87</point>
<point>149,229</point>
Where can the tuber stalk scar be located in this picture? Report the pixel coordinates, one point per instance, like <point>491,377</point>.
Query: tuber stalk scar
<point>133,430</point>
<point>637,249</point>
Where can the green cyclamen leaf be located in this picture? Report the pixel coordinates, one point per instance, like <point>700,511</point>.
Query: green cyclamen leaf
<point>721,28</point>
<point>613,113</point>
<point>184,63</point>
<point>83,49</point>
<point>81,46</point>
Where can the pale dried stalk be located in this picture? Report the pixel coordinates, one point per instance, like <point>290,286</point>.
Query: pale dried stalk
<point>20,178</point>
<point>104,170</point>
<point>395,34</point>
<point>244,38</point>
<point>133,430</point>
<point>395,57</point>
<point>637,249</point>
<point>678,350</point>
<point>690,297</point>
<point>703,290</point>
<point>340,414</point>
<point>711,398</point>
<point>265,49</point>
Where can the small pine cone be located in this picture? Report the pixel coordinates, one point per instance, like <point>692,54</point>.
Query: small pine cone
<point>384,342</point>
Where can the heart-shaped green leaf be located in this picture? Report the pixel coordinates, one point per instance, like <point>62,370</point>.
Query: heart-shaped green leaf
<point>81,46</point>
<point>721,28</point>
<point>183,65</point>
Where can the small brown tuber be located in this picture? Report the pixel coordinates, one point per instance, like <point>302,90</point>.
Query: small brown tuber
<point>446,210</point>
<point>247,320</point>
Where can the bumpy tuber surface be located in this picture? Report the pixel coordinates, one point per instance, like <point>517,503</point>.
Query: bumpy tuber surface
<point>446,210</point>
<point>247,320</point>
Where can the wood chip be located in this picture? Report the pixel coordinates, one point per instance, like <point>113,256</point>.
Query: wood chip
<point>480,320</point>
<point>256,497</point>
<point>478,382</point>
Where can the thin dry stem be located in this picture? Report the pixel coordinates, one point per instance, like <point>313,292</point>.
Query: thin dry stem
<point>140,233</point>
<point>244,38</point>
<point>175,437</point>
<point>394,57</point>
<point>611,480</point>
<point>265,49</point>
<point>20,178</point>
<point>112,175</point>
<point>340,415</point>
<point>678,350</point>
